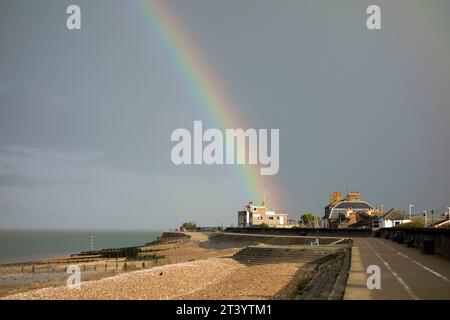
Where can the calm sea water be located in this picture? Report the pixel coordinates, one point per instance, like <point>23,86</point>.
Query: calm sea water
<point>28,245</point>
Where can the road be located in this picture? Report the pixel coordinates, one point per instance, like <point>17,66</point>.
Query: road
<point>405,272</point>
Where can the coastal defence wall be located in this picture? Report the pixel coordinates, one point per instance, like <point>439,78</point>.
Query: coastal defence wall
<point>240,240</point>
<point>173,236</point>
<point>339,233</point>
<point>431,241</point>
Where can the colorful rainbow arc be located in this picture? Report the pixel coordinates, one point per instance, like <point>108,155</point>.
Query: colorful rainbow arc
<point>208,90</point>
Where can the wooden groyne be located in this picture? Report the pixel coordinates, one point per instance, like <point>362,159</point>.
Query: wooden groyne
<point>135,252</point>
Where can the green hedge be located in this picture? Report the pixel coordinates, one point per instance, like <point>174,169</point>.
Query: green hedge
<point>410,225</point>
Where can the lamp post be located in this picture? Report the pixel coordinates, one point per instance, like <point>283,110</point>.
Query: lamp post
<point>410,214</point>
<point>425,215</point>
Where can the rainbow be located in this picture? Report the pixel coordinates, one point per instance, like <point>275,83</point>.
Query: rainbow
<point>210,93</point>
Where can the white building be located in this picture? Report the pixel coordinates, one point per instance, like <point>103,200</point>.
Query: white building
<point>254,215</point>
<point>393,218</point>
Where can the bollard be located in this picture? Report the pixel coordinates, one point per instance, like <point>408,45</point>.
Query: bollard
<point>117,265</point>
<point>106,266</point>
<point>22,269</point>
<point>32,269</point>
<point>143,264</point>
<point>125,266</point>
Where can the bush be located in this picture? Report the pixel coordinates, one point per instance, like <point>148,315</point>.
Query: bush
<point>410,225</point>
<point>189,225</point>
<point>310,218</point>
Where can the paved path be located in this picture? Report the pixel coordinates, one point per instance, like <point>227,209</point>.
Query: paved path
<point>405,273</point>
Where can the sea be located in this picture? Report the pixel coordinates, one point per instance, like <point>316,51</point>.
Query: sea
<point>31,245</point>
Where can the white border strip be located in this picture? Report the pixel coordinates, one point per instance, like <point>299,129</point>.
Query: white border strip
<point>437,274</point>
<point>405,286</point>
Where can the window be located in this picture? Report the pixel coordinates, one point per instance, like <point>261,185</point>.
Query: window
<point>260,218</point>
<point>270,218</point>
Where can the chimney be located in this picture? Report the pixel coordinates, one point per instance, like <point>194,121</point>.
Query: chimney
<point>335,197</point>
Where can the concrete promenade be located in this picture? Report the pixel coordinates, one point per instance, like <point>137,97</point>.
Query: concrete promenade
<point>405,273</point>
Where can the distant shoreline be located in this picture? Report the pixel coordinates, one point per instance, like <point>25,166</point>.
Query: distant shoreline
<point>22,246</point>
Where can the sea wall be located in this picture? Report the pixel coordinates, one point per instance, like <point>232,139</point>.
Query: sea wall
<point>416,237</point>
<point>239,240</point>
<point>304,232</point>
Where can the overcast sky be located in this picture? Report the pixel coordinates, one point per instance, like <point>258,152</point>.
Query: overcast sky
<point>86,116</point>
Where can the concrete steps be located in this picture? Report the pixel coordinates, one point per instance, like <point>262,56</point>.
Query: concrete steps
<point>255,255</point>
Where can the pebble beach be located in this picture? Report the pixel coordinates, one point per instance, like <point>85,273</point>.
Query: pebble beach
<point>214,278</point>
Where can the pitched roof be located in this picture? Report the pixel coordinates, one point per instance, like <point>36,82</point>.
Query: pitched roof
<point>439,223</point>
<point>395,214</point>
<point>363,216</point>
<point>353,205</point>
<point>343,205</point>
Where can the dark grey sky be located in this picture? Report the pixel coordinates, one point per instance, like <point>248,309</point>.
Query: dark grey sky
<point>86,116</point>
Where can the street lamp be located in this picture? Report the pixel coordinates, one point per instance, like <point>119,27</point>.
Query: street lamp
<point>425,215</point>
<point>410,207</point>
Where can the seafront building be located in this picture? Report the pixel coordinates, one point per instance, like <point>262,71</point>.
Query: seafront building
<point>392,218</point>
<point>343,212</point>
<point>254,216</point>
<point>354,213</point>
